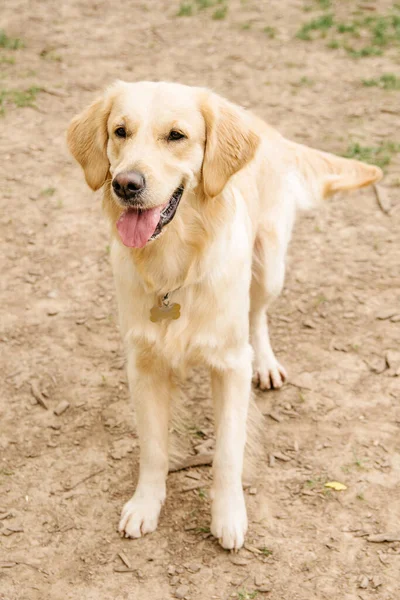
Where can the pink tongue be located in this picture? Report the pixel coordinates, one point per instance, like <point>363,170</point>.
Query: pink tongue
<point>136,228</point>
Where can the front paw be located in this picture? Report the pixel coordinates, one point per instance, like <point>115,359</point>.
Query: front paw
<point>140,514</point>
<point>269,376</point>
<point>229,519</point>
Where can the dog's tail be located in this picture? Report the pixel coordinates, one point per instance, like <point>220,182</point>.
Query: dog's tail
<point>320,174</point>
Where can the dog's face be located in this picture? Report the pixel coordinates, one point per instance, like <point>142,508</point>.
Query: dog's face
<point>154,142</point>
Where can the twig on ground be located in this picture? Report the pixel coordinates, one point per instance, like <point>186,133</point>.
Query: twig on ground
<point>71,487</point>
<point>383,198</point>
<point>199,460</point>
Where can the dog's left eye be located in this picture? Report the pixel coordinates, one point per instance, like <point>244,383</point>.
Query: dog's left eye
<point>120,132</point>
<point>175,135</point>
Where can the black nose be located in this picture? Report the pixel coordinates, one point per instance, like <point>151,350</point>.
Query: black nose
<point>128,184</point>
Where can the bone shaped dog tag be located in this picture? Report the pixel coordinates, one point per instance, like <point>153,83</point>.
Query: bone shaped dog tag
<point>165,311</point>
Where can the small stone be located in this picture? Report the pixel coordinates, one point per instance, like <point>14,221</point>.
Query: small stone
<point>267,587</point>
<point>304,380</point>
<point>121,448</point>
<point>174,580</point>
<point>61,407</point>
<point>364,581</point>
<point>281,456</point>
<point>259,580</point>
<point>392,359</point>
<point>171,570</point>
<point>376,581</point>
<point>309,324</point>
<point>376,364</point>
<point>387,313</point>
<point>253,491</point>
<point>275,417</point>
<point>239,561</point>
<point>194,567</point>
<point>181,591</point>
<point>180,570</point>
<point>271,460</point>
<point>51,312</point>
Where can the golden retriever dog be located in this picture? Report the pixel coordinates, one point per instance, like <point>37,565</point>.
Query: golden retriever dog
<point>201,197</point>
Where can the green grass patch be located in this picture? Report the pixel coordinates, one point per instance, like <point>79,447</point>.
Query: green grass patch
<point>185,10</point>
<point>304,82</point>
<point>50,191</point>
<point>22,98</point>
<point>220,13</point>
<point>388,81</point>
<point>360,37</point>
<point>333,44</point>
<point>202,4</point>
<point>245,595</point>
<point>51,55</point>
<point>18,98</point>
<point>322,23</point>
<point>190,8</point>
<point>7,60</point>
<point>6,472</point>
<point>10,43</point>
<point>270,31</point>
<point>377,155</point>
<point>363,52</point>
<point>202,530</point>
<point>202,494</point>
<point>266,551</point>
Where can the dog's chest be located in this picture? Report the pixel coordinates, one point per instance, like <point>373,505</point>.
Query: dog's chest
<point>213,310</point>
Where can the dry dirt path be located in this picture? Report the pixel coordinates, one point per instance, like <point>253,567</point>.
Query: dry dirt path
<point>64,479</point>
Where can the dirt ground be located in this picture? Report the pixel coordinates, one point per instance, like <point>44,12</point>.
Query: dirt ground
<point>64,479</point>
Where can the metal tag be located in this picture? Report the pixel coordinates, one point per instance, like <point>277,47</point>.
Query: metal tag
<point>165,311</point>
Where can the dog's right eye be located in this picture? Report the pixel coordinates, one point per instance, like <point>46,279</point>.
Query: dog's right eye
<point>120,132</point>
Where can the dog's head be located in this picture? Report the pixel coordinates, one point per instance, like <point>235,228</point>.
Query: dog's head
<point>153,142</point>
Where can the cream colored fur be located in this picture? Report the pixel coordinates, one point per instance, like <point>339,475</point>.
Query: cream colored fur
<point>222,258</point>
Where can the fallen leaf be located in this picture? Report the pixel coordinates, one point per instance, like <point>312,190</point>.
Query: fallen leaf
<point>336,485</point>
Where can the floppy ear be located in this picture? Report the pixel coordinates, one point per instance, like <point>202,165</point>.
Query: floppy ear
<point>326,173</point>
<point>87,140</point>
<point>230,143</point>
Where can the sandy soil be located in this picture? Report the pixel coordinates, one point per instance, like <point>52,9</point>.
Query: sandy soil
<point>64,479</point>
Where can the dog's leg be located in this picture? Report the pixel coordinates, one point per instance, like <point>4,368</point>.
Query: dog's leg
<point>151,389</point>
<point>231,395</point>
<point>266,285</point>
